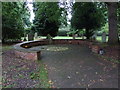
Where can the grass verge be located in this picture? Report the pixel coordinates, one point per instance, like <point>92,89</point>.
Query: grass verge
<point>109,59</point>
<point>5,47</point>
<point>42,75</point>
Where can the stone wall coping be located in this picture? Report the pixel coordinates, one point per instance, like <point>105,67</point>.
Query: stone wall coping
<point>27,49</point>
<point>19,48</point>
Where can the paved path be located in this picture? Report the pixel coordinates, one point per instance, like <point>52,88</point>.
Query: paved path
<point>77,67</point>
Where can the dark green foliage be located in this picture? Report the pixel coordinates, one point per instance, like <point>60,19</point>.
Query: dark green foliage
<point>87,16</point>
<point>62,33</point>
<point>51,28</point>
<point>14,19</point>
<point>47,18</point>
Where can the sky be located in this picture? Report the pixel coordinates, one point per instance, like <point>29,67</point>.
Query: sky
<point>30,6</point>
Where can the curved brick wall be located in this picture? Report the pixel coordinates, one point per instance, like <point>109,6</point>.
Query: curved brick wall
<point>22,51</point>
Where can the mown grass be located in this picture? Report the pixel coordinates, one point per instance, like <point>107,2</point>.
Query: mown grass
<point>42,75</point>
<point>99,38</point>
<point>5,47</point>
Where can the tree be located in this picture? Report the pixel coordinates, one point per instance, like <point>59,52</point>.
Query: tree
<point>118,13</point>
<point>112,20</point>
<point>0,21</point>
<point>13,20</point>
<point>47,18</point>
<point>87,16</point>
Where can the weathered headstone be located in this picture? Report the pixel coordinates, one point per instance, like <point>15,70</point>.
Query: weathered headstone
<point>35,35</point>
<point>27,37</point>
<point>67,35</point>
<point>94,36</point>
<point>103,37</point>
<point>73,36</point>
<point>49,38</point>
<point>82,35</point>
<point>76,35</point>
<point>30,36</point>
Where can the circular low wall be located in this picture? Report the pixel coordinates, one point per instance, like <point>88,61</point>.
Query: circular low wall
<point>22,49</point>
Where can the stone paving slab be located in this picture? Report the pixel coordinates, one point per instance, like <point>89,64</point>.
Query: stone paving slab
<point>77,67</point>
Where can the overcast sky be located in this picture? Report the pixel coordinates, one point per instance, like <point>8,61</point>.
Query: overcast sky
<point>30,6</point>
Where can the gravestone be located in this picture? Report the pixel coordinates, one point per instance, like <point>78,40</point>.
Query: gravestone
<point>27,37</point>
<point>103,37</point>
<point>67,35</point>
<point>35,35</point>
<point>30,36</point>
<point>76,35</point>
<point>73,36</point>
<point>94,36</point>
<point>49,37</point>
<point>82,35</point>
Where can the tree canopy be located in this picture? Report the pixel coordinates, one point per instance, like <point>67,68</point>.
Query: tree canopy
<point>48,17</point>
<point>15,17</point>
<point>87,16</point>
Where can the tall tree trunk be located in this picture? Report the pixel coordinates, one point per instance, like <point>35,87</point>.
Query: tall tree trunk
<point>112,20</point>
<point>87,34</point>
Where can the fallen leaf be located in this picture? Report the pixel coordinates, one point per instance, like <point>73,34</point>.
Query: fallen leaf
<point>101,80</point>
<point>82,79</point>
<point>68,77</point>
<point>50,81</point>
<point>77,72</point>
<point>96,72</point>
<point>88,85</point>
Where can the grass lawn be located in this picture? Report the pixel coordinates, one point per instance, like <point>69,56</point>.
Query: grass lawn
<point>6,47</point>
<point>99,38</point>
<point>65,37</point>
